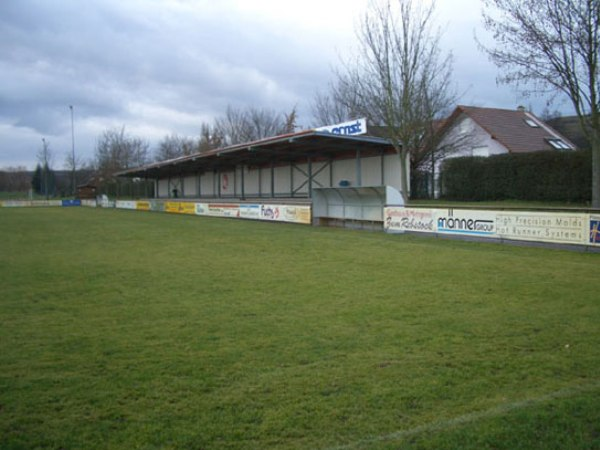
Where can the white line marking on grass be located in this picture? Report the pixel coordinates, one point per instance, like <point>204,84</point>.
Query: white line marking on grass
<point>444,424</point>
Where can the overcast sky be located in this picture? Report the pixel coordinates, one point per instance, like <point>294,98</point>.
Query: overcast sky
<point>164,66</point>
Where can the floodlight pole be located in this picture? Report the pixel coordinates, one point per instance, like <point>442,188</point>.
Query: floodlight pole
<point>45,168</point>
<point>73,151</point>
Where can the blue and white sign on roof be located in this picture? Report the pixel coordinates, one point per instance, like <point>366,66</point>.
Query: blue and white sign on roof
<point>351,128</point>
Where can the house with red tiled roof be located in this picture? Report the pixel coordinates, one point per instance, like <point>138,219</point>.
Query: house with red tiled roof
<point>477,131</point>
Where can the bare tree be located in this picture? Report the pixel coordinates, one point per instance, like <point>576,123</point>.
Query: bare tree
<point>174,146</point>
<point>210,138</point>
<point>246,125</point>
<point>552,46</point>
<point>116,150</point>
<point>399,80</point>
<point>45,158</point>
<point>14,179</point>
<point>331,108</point>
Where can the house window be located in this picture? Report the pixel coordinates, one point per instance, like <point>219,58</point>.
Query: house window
<point>481,151</point>
<point>558,144</point>
<point>532,123</point>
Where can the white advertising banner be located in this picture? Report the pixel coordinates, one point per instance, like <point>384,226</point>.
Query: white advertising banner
<point>224,209</point>
<point>543,227</point>
<point>560,228</point>
<point>465,222</point>
<point>351,128</point>
<point>250,211</point>
<point>30,203</point>
<point>444,221</point>
<point>408,219</point>
<point>286,213</point>
<point>126,204</point>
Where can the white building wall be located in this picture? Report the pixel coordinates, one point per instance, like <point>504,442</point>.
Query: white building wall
<point>265,181</point>
<point>371,171</point>
<point>282,181</point>
<point>163,188</point>
<point>190,186</point>
<point>207,183</point>
<point>393,171</point>
<point>344,169</point>
<point>251,182</point>
<point>471,140</point>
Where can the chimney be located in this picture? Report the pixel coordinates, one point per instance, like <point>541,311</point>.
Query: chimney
<point>521,108</point>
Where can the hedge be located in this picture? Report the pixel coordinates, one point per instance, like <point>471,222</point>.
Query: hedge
<point>540,176</point>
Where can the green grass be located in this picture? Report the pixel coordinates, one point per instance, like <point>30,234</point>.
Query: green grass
<point>124,329</point>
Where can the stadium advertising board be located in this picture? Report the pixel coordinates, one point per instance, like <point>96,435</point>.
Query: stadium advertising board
<point>30,203</point>
<point>560,228</point>
<point>409,219</point>
<point>297,214</point>
<point>125,204</point>
<point>351,128</point>
<point>466,222</point>
<point>224,209</point>
<point>544,227</point>
<point>67,203</point>
<point>142,206</point>
<point>180,207</point>
<point>286,213</point>
<point>594,230</point>
<point>248,211</point>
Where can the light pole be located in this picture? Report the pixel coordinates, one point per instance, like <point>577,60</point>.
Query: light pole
<point>45,167</point>
<point>73,152</point>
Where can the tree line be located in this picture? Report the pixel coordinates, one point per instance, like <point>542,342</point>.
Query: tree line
<point>117,150</point>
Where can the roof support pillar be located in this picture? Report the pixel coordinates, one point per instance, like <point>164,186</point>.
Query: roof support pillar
<point>382,168</point>
<point>218,184</point>
<point>199,185</point>
<point>291,179</point>
<point>243,190</point>
<point>330,172</point>
<point>272,179</point>
<point>358,169</point>
<point>310,177</point>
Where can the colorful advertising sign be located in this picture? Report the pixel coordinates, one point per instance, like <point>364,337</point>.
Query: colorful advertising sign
<point>286,213</point>
<point>351,128</point>
<point>250,211</point>
<point>408,219</point>
<point>224,209</point>
<point>560,228</point>
<point>297,214</point>
<point>180,207</point>
<point>142,206</point>
<point>594,230</point>
<point>68,203</point>
<point>468,222</point>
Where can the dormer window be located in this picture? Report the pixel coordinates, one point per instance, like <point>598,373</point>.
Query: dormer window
<point>532,123</point>
<point>558,144</point>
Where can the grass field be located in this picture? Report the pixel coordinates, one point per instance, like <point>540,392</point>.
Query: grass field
<point>132,330</point>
